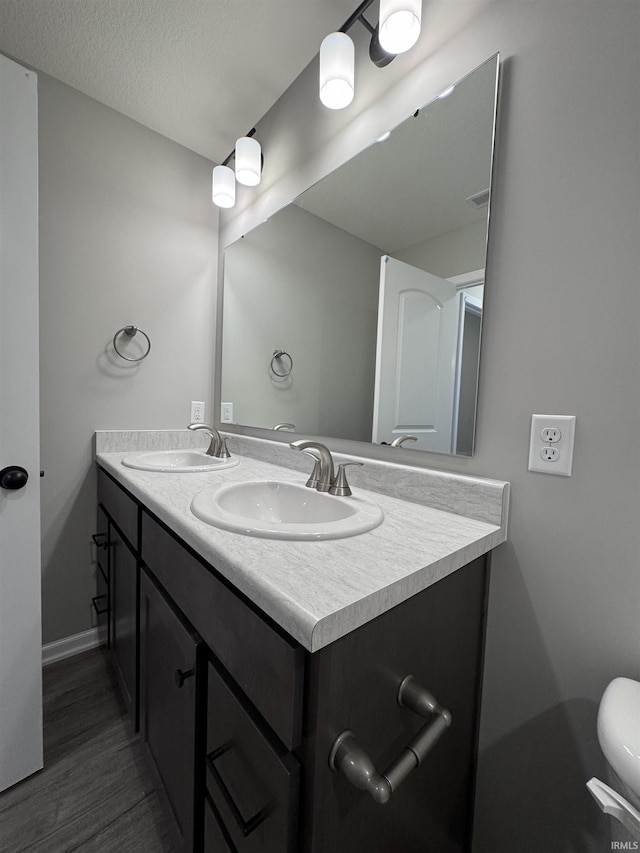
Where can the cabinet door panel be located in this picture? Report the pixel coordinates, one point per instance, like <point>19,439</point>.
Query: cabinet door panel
<point>254,786</point>
<point>168,692</point>
<point>123,573</point>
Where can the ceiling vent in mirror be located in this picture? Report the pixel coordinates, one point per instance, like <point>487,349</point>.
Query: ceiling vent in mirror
<point>479,200</point>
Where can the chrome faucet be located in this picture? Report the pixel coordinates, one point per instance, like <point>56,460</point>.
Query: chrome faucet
<point>286,427</point>
<point>325,475</point>
<point>218,445</point>
<point>322,477</point>
<point>400,440</point>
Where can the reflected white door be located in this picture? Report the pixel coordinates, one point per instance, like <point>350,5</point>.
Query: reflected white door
<point>20,617</point>
<point>416,357</point>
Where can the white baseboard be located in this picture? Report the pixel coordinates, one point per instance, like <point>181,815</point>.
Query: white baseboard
<point>69,646</point>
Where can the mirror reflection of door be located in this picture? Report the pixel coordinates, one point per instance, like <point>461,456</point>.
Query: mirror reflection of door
<point>416,357</point>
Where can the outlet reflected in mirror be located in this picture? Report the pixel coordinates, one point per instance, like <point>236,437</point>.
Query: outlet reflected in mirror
<point>373,281</point>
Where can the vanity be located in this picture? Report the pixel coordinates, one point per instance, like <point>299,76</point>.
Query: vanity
<point>257,669</point>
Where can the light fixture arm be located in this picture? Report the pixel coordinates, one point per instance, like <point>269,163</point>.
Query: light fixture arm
<point>357,16</point>
<point>377,54</point>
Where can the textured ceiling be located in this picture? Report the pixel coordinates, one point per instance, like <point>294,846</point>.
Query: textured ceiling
<point>200,72</point>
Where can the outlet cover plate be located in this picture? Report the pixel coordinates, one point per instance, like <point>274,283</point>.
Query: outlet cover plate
<point>539,448</point>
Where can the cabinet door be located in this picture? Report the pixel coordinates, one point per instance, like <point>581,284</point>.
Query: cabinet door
<point>123,574</point>
<point>252,780</point>
<point>169,684</point>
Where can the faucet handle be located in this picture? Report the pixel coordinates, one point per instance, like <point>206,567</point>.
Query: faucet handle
<point>314,478</point>
<point>340,486</point>
<point>223,450</point>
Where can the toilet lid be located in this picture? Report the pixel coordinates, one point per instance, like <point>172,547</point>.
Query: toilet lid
<point>619,730</point>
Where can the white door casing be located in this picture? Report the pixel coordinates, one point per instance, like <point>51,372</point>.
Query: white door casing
<point>415,358</point>
<point>20,581</point>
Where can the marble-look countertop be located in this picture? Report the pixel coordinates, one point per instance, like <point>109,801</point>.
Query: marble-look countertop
<point>319,591</point>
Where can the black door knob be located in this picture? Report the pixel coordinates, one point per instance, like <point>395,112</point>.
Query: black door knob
<point>13,477</point>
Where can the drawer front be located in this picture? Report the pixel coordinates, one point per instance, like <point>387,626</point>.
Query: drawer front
<point>254,789</point>
<point>266,666</point>
<point>122,508</point>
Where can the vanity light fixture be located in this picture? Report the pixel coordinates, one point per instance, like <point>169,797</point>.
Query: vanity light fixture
<point>223,189</point>
<point>248,161</point>
<point>399,24</point>
<point>337,70</point>
<point>248,170</point>
<point>397,31</point>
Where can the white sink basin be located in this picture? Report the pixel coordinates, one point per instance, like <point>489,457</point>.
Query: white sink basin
<point>177,461</point>
<point>276,509</point>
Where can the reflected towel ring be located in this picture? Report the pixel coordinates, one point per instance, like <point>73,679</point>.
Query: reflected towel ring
<point>131,331</point>
<point>278,353</point>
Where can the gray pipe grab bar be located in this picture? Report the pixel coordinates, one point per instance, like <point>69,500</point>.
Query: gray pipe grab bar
<point>348,757</point>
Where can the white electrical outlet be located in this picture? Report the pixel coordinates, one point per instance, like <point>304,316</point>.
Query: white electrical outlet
<point>226,413</point>
<point>551,444</point>
<point>197,412</point>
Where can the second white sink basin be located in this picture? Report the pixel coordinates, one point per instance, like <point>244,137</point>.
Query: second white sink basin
<point>177,461</point>
<point>277,509</point>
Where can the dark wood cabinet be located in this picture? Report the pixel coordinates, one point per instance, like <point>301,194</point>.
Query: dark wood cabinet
<point>239,720</point>
<point>171,673</point>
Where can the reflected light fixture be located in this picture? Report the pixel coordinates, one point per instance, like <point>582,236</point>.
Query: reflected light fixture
<point>398,30</point>
<point>248,170</point>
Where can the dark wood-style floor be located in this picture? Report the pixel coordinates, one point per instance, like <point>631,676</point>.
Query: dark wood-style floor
<point>95,792</point>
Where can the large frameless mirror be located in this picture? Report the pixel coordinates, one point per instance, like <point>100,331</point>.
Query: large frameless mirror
<point>356,311</point>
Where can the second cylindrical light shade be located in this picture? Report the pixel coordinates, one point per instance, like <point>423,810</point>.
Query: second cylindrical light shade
<point>248,161</point>
<point>223,191</point>
<point>337,71</point>
<point>399,24</point>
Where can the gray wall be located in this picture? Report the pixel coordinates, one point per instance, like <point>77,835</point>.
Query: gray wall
<point>128,235</point>
<point>297,265</point>
<point>561,336</point>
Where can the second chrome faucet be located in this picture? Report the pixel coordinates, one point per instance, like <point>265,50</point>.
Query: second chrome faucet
<point>323,478</point>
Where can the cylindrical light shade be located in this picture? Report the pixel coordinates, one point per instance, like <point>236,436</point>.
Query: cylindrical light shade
<point>399,24</point>
<point>223,191</point>
<point>248,161</point>
<point>337,71</point>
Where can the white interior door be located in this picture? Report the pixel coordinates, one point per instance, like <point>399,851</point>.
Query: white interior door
<point>20,616</point>
<point>416,357</point>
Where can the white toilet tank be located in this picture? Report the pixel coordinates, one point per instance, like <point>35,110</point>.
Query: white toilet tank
<point>619,732</point>
<point>619,737</point>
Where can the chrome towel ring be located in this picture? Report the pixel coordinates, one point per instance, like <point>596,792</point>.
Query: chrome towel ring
<point>278,354</point>
<point>130,332</point>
